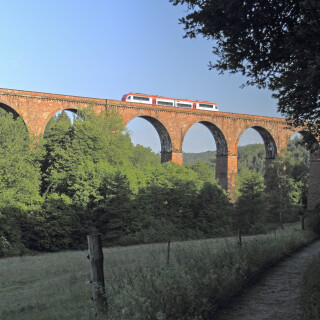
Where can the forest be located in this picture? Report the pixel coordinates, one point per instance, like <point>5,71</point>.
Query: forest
<point>85,176</point>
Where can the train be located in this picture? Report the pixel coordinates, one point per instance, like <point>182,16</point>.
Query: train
<point>169,102</point>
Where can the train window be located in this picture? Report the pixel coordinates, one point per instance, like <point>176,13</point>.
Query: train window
<point>202,105</point>
<point>141,98</point>
<point>164,103</point>
<point>184,105</point>
<point>129,97</point>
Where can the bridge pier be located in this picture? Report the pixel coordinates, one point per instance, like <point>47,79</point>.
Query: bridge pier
<point>166,156</point>
<point>176,157</point>
<point>226,171</point>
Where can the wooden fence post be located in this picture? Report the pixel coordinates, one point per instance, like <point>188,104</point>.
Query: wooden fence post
<point>97,276</point>
<point>239,238</point>
<point>168,252</point>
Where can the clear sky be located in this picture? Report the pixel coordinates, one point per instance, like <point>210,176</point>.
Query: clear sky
<point>105,48</point>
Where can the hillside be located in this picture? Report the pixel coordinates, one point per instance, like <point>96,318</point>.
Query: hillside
<point>251,156</point>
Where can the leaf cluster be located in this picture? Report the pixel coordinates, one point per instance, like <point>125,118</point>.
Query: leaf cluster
<point>273,43</point>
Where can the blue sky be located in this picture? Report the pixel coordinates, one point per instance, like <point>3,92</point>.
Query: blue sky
<point>104,49</point>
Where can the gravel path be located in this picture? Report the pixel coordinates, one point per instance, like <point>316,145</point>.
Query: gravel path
<point>277,295</point>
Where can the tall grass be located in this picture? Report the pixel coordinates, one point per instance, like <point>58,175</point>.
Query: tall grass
<point>200,278</point>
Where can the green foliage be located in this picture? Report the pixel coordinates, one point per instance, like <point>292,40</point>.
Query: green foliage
<point>270,42</point>
<point>92,173</point>
<point>95,180</point>
<point>205,172</point>
<point>311,291</point>
<point>285,195</point>
<point>212,210</point>
<point>74,152</point>
<point>250,202</point>
<point>251,157</point>
<point>19,181</point>
<point>54,226</point>
<point>208,157</point>
<point>111,214</point>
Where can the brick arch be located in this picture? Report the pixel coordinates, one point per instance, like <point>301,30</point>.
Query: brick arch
<point>268,140</point>
<point>9,109</point>
<point>53,113</point>
<point>165,139</point>
<point>218,136</point>
<point>14,112</point>
<point>223,162</point>
<point>56,110</point>
<point>310,139</point>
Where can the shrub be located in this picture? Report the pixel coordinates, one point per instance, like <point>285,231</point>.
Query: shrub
<point>311,291</point>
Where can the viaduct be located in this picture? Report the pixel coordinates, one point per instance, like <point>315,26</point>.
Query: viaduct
<point>171,124</point>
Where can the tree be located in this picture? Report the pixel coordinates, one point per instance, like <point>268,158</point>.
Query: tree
<point>283,192</point>
<point>112,212</point>
<point>212,210</point>
<point>274,43</point>
<point>204,171</point>
<point>19,181</point>
<point>79,154</point>
<point>250,201</point>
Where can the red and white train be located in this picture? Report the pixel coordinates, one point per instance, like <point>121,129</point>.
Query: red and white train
<point>169,102</point>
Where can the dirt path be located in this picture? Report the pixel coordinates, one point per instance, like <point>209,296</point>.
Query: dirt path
<point>277,295</point>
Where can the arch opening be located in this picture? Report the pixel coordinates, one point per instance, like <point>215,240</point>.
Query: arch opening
<point>5,109</point>
<point>214,151</point>
<point>269,143</point>
<point>251,151</point>
<point>221,143</point>
<point>199,151</point>
<point>152,134</point>
<point>309,140</point>
<point>68,115</point>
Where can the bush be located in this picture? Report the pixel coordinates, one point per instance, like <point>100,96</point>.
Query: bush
<point>55,228</point>
<point>311,291</point>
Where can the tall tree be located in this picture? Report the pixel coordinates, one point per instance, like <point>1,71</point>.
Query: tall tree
<point>19,180</point>
<point>275,43</point>
<point>283,192</point>
<point>250,201</point>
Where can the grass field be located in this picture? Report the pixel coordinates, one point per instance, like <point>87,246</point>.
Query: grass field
<point>201,276</point>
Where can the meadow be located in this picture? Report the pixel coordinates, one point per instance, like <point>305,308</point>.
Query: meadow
<point>201,277</point>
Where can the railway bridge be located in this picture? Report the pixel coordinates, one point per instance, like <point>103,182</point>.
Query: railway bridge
<point>171,124</point>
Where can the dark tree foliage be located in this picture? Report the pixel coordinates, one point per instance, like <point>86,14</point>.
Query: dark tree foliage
<point>275,43</point>
<point>250,203</point>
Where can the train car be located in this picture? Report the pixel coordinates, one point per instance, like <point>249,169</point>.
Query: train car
<point>169,102</point>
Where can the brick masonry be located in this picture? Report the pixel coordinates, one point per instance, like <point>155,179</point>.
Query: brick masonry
<point>172,124</point>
